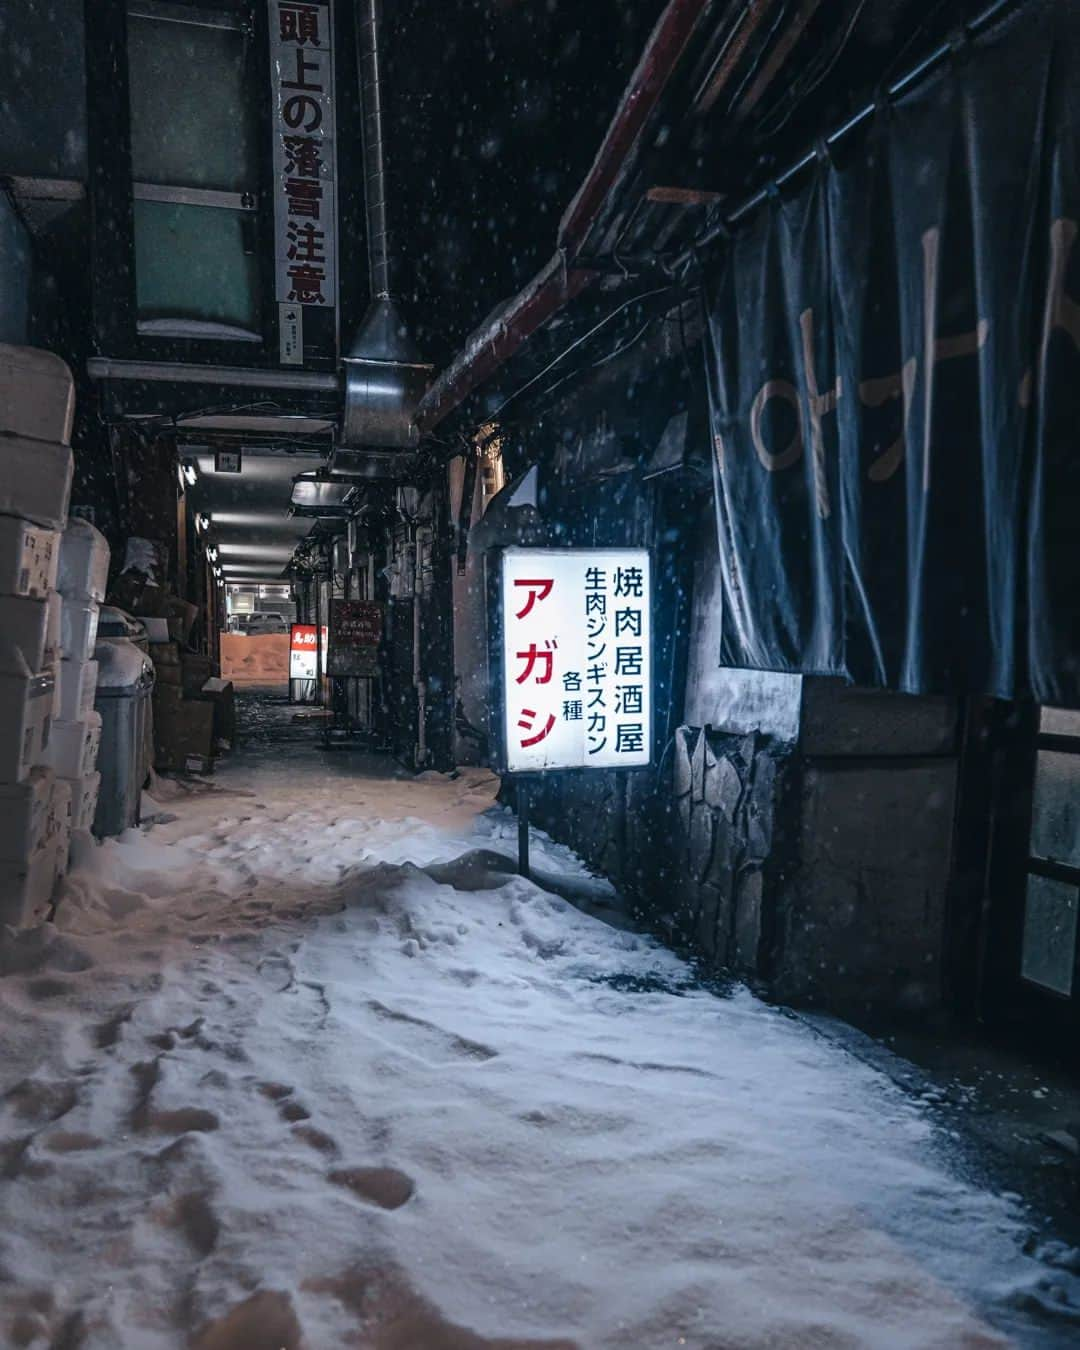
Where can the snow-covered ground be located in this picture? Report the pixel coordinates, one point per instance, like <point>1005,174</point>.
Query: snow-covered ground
<point>308,1066</point>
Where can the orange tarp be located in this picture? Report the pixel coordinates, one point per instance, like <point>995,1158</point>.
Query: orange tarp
<point>255,660</point>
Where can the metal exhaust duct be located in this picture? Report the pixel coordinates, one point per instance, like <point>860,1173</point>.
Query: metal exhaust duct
<point>384,376</point>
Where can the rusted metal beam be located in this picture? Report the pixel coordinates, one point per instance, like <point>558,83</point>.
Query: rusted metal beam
<point>499,337</point>
<point>773,64</point>
<point>751,19</point>
<point>662,53</point>
<point>679,196</point>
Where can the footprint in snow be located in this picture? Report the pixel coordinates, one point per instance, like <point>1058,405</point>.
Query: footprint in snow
<point>39,1101</point>
<point>266,1319</point>
<point>385,1187</point>
<point>316,1138</point>
<point>288,1109</point>
<point>146,1118</point>
<point>70,1141</point>
<point>428,1041</point>
<point>108,1032</point>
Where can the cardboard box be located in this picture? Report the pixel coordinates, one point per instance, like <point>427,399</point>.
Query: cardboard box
<point>35,480</point>
<point>84,562</point>
<point>77,686</point>
<point>168,669</point>
<point>170,676</point>
<point>183,732</point>
<point>26,888</point>
<point>25,814</point>
<point>196,670</point>
<point>37,394</point>
<point>157,630</point>
<point>29,558</point>
<point>220,694</point>
<point>73,746</point>
<point>165,654</point>
<point>26,703</point>
<point>181,616</point>
<point>79,627</point>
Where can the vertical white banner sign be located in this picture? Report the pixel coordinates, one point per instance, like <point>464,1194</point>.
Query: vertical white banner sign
<point>577,659</point>
<point>305,217</point>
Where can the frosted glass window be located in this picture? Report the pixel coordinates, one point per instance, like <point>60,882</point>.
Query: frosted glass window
<point>1055,826</point>
<point>190,264</point>
<point>1050,919</point>
<point>193,122</point>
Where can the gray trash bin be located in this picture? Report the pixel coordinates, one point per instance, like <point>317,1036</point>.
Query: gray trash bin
<point>125,686</point>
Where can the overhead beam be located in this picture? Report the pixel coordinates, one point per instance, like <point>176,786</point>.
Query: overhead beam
<point>662,53</point>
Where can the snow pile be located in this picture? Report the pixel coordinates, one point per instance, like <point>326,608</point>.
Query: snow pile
<point>330,1074</point>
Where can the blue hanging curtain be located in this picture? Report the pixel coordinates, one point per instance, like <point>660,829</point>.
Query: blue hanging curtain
<point>894,363</point>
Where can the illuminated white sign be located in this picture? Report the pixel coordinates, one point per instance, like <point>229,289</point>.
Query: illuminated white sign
<point>577,660</point>
<point>303,660</point>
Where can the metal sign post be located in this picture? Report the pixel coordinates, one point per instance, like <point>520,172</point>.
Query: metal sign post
<point>523,825</point>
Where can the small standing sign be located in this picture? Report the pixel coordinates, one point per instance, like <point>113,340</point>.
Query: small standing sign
<point>303,651</point>
<point>576,659</point>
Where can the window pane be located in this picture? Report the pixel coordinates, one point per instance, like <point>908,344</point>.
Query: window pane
<point>1060,721</point>
<point>191,125</point>
<point>190,264</point>
<point>1055,827</point>
<point>1050,934</point>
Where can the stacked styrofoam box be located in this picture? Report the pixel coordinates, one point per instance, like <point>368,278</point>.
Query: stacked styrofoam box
<point>76,734</point>
<point>36,405</point>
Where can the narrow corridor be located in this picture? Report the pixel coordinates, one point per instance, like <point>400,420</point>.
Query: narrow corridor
<point>307,1065</point>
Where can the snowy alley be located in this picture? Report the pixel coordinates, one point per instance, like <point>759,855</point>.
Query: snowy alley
<point>307,1065</point>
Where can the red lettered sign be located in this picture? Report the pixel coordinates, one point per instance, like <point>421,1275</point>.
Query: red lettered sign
<point>303,657</point>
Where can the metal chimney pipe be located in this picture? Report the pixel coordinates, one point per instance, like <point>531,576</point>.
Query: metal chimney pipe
<point>368,61</point>
<point>384,376</point>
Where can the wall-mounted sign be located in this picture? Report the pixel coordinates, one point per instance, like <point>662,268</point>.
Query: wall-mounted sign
<point>356,628</point>
<point>303,656</point>
<point>305,219</point>
<point>576,658</point>
<point>227,461</point>
<point>290,335</point>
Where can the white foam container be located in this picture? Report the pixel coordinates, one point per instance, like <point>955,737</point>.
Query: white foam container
<point>84,799</point>
<point>73,746</point>
<point>56,623</point>
<point>84,562</point>
<point>78,629</point>
<point>29,558</point>
<point>24,633</point>
<point>77,686</point>
<point>26,888</point>
<point>53,669</point>
<point>26,703</point>
<point>24,815</point>
<point>35,480</point>
<point>60,821</point>
<point>37,394</point>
